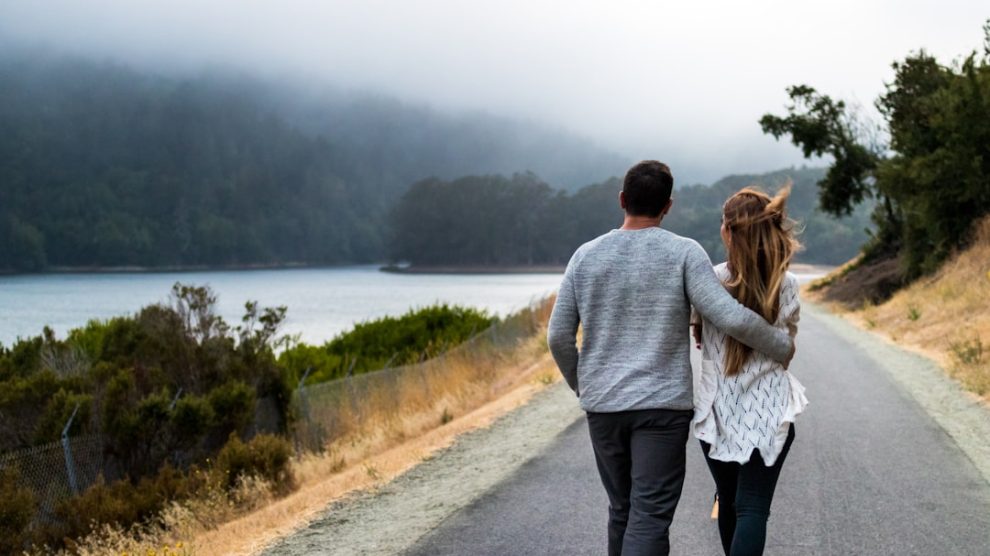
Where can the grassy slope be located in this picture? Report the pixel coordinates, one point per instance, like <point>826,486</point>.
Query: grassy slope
<point>397,424</point>
<point>946,316</point>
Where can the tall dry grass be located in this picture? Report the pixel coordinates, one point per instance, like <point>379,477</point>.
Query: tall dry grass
<point>370,428</point>
<point>946,315</point>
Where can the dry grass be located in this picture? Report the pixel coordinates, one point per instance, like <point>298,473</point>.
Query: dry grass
<point>323,479</point>
<point>374,426</point>
<point>945,316</point>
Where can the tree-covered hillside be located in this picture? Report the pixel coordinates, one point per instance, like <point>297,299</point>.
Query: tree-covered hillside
<point>925,167</point>
<point>499,221</point>
<point>105,166</point>
<point>827,239</point>
<point>102,165</point>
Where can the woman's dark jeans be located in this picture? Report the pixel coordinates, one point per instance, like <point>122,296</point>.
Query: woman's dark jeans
<point>745,492</point>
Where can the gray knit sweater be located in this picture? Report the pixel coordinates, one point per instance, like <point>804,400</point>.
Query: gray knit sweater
<point>632,291</point>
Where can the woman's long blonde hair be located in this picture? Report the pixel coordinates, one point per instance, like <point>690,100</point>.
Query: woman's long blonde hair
<point>760,248</point>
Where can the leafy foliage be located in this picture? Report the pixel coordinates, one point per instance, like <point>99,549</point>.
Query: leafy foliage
<point>172,380</point>
<point>933,179</point>
<point>386,342</point>
<point>821,126</point>
<point>174,391</point>
<point>265,456</point>
<point>16,512</point>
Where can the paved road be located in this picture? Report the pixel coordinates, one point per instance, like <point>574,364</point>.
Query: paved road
<point>870,472</point>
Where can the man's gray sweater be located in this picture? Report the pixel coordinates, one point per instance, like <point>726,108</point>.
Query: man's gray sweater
<point>632,292</point>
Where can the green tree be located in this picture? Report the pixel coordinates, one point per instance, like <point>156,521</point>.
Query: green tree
<point>932,181</point>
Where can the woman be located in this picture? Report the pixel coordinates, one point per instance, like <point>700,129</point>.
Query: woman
<point>745,403</point>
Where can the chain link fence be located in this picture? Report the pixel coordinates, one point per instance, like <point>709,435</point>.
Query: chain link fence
<point>57,470</point>
<point>323,412</point>
<point>330,411</point>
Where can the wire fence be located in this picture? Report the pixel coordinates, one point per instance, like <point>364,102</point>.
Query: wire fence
<point>58,470</point>
<point>323,412</point>
<point>329,411</point>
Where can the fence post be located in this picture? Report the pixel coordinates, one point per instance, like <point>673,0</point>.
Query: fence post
<point>175,400</point>
<point>303,407</point>
<point>70,467</point>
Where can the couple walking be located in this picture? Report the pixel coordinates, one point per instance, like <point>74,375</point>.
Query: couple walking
<point>637,292</point>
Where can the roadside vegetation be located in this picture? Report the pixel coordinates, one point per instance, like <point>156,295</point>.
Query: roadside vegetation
<point>191,420</point>
<point>925,168</point>
<point>387,342</point>
<point>945,314</point>
<point>923,279</point>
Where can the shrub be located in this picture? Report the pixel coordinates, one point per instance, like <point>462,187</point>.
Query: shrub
<point>968,352</point>
<point>124,502</point>
<point>266,456</point>
<point>17,507</point>
<point>388,341</point>
<point>913,313</point>
<point>125,373</point>
<point>233,405</point>
<point>191,419</point>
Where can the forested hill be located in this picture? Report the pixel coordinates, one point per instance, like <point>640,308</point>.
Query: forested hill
<point>103,165</point>
<point>494,221</point>
<point>697,212</point>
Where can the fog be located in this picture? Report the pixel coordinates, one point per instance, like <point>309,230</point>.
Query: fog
<point>683,82</point>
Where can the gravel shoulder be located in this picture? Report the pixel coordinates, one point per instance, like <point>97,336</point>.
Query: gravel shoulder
<point>391,518</point>
<point>959,413</point>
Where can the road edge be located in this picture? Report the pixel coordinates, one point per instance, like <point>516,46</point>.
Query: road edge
<point>959,413</point>
<point>417,501</point>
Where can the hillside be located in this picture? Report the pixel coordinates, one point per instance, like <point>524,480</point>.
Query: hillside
<point>104,165</point>
<point>697,212</point>
<point>944,315</point>
<point>495,221</point>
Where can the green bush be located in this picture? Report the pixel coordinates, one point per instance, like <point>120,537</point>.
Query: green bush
<point>17,507</point>
<point>163,387</point>
<point>388,341</point>
<point>266,456</point>
<point>124,502</point>
<point>233,404</point>
<point>191,420</point>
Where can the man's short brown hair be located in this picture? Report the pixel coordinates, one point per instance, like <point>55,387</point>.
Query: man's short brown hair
<point>647,188</point>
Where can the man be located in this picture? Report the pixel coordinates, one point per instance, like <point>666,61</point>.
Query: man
<point>632,290</point>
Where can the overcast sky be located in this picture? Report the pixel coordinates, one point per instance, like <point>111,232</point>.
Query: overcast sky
<point>683,81</point>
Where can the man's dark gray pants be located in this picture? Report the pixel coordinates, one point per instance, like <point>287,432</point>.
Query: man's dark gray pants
<point>641,460</point>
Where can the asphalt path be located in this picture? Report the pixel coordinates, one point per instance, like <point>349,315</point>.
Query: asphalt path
<point>870,472</point>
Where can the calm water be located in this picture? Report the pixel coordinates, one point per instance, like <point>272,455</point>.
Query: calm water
<point>321,302</point>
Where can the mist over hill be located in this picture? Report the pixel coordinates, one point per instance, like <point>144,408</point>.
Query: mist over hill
<point>102,165</point>
<point>497,221</point>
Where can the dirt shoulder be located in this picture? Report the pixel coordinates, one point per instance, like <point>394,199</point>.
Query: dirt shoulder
<point>391,517</point>
<point>962,414</point>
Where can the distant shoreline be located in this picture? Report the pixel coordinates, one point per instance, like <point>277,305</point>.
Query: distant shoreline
<point>801,268</point>
<point>797,268</point>
<point>474,269</point>
<point>136,269</point>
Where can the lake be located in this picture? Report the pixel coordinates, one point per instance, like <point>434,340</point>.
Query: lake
<point>322,302</point>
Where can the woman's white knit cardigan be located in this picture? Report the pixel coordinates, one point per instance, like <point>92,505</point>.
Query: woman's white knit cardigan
<point>753,409</point>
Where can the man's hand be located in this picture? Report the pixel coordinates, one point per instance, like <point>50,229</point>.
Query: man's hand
<point>696,332</point>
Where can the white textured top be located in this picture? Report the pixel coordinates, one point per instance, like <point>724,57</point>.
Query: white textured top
<point>754,408</point>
